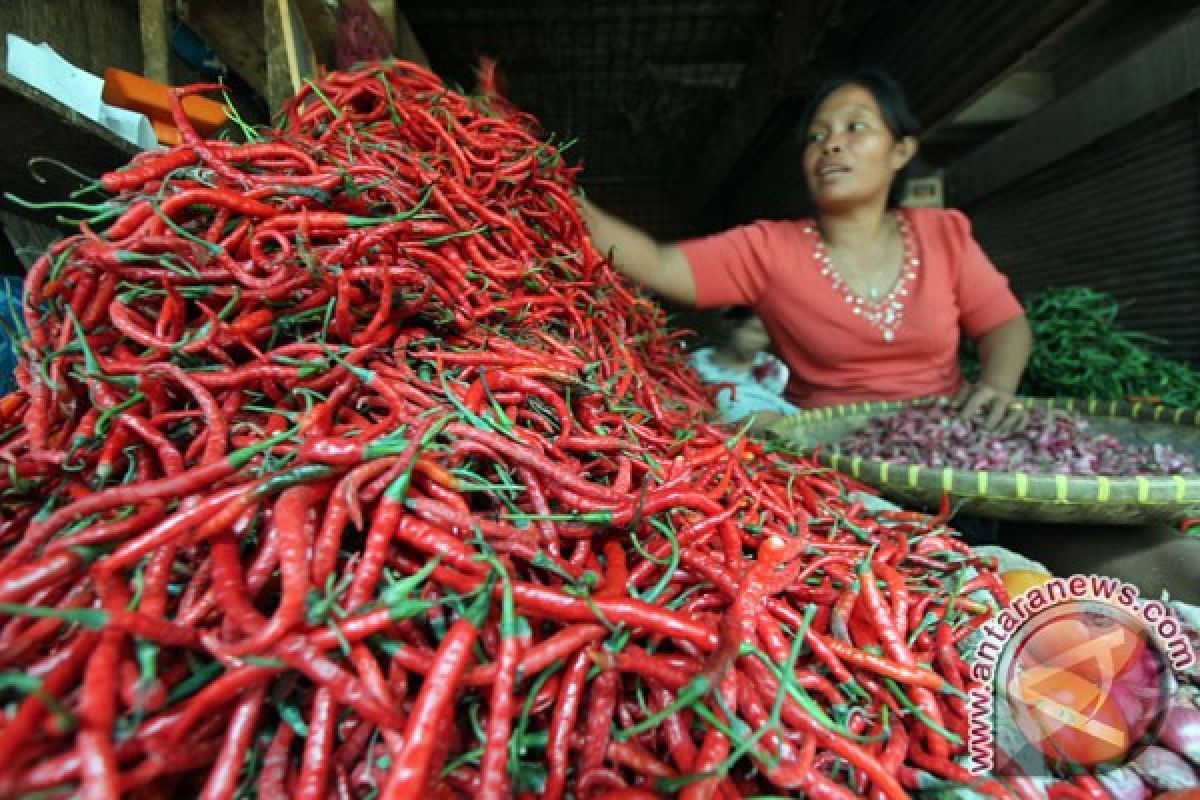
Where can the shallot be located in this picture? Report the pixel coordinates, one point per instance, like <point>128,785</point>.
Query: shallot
<point>1124,784</point>
<point>1181,732</point>
<point>1164,770</point>
<point>933,435</point>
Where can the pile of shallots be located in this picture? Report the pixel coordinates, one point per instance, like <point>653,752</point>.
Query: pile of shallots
<point>934,435</point>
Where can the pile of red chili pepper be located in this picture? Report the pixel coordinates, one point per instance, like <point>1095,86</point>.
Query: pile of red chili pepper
<point>344,466</point>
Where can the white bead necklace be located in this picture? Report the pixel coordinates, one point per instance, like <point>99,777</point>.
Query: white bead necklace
<point>885,314</point>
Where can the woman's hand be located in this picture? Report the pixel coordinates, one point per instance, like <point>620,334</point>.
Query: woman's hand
<point>1004,414</point>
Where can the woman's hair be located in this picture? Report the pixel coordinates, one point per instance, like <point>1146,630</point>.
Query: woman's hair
<point>736,314</point>
<point>727,321</point>
<point>893,105</point>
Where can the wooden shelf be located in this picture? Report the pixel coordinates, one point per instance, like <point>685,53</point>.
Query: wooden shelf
<point>39,125</point>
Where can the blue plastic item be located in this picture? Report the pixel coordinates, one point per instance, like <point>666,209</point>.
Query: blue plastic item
<point>11,289</point>
<point>192,50</point>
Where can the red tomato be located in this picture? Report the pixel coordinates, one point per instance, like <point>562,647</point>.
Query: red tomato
<point>1068,717</point>
<point>1093,646</point>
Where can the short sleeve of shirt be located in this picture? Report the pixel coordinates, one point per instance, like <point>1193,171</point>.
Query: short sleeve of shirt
<point>984,297</point>
<point>731,268</point>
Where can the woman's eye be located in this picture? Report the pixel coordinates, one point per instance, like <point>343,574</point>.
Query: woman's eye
<point>817,136</point>
<point>857,125</point>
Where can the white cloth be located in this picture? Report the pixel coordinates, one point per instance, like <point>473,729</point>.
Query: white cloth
<point>757,389</point>
<point>48,72</point>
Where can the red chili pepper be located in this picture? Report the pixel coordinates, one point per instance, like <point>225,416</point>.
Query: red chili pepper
<point>561,725</point>
<point>715,747</point>
<point>173,486</point>
<point>21,726</point>
<point>410,772</point>
<point>223,779</point>
<point>22,582</point>
<point>317,765</point>
<point>270,784</point>
<point>295,519</point>
<point>494,782</point>
<point>97,711</point>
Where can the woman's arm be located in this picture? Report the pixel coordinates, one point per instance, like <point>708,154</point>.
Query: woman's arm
<point>1003,354</point>
<point>661,268</point>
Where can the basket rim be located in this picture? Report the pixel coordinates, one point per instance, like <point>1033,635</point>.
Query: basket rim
<point>1027,487</point>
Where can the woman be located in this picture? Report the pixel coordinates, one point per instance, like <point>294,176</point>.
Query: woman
<point>751,380</point>
<point>867,300</point>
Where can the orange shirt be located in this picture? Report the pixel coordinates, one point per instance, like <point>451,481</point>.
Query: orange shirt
<point>836,355</point>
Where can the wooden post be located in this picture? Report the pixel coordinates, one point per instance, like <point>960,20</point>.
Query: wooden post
<point>408,46</point>
<point>279,82</point>
<point>156,39</point>
<point>404,41</point>
<point>386,9</point>
<point>290,58</point>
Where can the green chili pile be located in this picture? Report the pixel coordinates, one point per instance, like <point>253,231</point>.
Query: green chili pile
<point>342,465</point>
<point>1079,350</point>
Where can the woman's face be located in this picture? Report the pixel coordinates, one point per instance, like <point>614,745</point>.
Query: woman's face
<point>750,338</point>
<point>851,157</point>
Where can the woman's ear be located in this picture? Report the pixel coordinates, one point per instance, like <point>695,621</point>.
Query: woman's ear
<point>904,151</point>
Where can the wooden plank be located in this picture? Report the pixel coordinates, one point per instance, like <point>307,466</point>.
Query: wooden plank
<point>236,32</point>
<point>156,40</point>
<point>408,47</point>
<point>10,262</point>
<point>1002,57</point>
<point>386,9</point>
<point>29,239</point>
<point>290,61</point>
<point>279,82</point>
<point>301,63</point>
<point>320,23</point>
<point>1163,72</point>
<point>91,34</point>
<point>50,129</point>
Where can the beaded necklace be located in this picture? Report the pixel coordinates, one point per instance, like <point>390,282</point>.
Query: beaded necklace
<point>885,314</point>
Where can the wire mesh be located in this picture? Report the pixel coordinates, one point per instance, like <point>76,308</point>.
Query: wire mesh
<point>637,83</point>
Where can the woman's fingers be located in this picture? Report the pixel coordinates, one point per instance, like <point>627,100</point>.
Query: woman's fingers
<point>997,410</point>
<point>1016,419</point>
<point>1003,413</point>
<point>978,399</point>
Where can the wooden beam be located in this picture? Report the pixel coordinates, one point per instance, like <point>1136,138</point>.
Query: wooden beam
<point>320,23</point>
<point>1163,72</point>
<point>766,82</point>
<point>1003,56</point>
<point>301,61</point>
<point>408,47</point>
<point>236,33</point>
<point>1020,94</point>
<point>404,42</point>
<point>49,128</point>
<point>279,82</point>
<point>386,10</point>
<point>156,39</point>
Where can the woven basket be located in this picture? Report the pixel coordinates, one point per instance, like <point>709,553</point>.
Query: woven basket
<point>1019,495</point>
